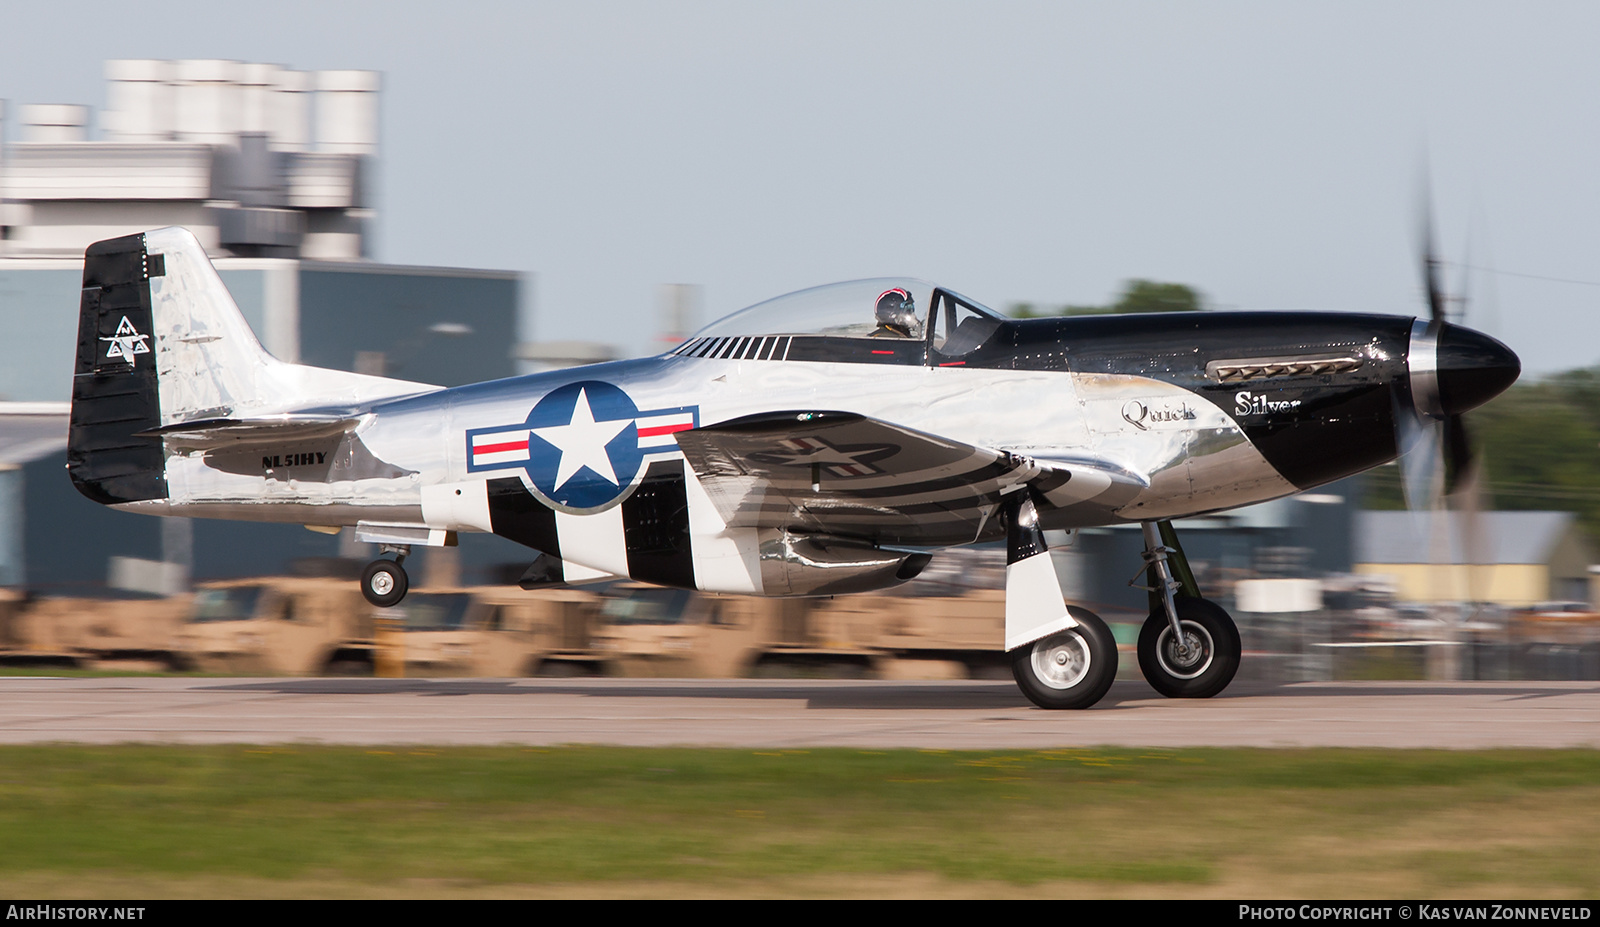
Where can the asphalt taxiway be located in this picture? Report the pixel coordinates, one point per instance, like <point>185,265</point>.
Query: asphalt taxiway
<point>787,713</point>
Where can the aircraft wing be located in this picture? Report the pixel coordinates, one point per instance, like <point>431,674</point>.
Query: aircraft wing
<point>846,474</point>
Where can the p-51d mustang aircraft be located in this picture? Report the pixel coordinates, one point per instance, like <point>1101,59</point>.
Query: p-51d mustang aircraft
<point>825,442</point>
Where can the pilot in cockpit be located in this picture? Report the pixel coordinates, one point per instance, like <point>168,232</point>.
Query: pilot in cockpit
<point>897,315</point>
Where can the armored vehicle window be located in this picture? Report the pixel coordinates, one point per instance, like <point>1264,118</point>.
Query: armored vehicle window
<point>236,604</point>
<point>645,606</point>
<point>436,611</point>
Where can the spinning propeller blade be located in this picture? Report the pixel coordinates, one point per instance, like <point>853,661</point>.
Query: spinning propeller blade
<point>1453,369</point>
<point>1429,436</point>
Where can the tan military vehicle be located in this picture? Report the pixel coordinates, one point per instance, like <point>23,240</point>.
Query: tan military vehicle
<point>130,633</point>
<point>12,636</point>
<point>488,631</point>
<point>277,626</point>
<point>958,635</point>
<point>949,623</point>
<point>652,631</point>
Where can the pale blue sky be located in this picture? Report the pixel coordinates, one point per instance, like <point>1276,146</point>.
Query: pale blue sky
<point>1267,153</point>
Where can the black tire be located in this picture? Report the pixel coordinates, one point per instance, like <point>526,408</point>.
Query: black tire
<point>1069,669</point>
<point>384,583</point>
<point>1202,674</point>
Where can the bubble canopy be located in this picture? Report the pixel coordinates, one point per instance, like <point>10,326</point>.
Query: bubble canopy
<point>843,309</point>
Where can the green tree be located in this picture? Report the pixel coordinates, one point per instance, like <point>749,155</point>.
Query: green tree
<point>1540,447</point>
<point>1137,296</point>
<point>1151,296</point>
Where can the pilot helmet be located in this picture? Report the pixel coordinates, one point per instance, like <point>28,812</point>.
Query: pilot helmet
<point>897,310</point>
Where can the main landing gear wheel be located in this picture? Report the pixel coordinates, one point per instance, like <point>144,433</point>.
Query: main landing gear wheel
<point>384,583</point>
<point>1210,655</point>
<point>1069,669</point>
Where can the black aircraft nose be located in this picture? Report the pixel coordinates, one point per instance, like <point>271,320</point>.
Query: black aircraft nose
<point>1472,368</point>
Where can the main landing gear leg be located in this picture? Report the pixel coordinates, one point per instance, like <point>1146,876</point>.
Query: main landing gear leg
<point>1061,656</point>
<point>384,582</point>
<point>1189,646</point>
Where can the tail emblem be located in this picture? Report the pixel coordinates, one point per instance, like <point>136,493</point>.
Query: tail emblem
<point>126,342</point>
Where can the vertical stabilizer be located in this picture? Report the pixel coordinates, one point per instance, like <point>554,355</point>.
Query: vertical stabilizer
<point>208,360</point>
<point>162,343</point>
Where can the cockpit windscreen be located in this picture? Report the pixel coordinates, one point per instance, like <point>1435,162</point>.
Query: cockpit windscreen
<point>886,307</point>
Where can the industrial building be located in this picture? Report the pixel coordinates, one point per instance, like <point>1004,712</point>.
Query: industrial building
<point>1512,559</point>
<point>272,169</point>
<point>257,160</point>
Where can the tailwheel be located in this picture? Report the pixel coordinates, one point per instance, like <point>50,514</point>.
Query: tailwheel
<point>1069,669</point>
<point>1207,659</point>
<point>384,583</point>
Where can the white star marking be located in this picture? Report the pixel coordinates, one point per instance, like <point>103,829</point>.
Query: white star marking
<point>126,342</point>
<point>583,441</point>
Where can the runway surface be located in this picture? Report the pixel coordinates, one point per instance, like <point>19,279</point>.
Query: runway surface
<point>787,714</point>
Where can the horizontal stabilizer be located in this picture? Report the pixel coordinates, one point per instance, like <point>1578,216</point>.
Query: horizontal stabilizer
<point>213,433</point>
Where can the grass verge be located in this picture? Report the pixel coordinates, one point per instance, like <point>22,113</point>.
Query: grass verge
<point>87,821</point>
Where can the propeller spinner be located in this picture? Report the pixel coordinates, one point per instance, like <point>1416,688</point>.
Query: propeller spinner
<point>1453,369</point>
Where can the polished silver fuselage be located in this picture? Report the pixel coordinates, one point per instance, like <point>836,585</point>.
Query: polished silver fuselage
<point>1193,456</point>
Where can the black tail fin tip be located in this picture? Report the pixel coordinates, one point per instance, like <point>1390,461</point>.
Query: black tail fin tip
<point>115,393</point>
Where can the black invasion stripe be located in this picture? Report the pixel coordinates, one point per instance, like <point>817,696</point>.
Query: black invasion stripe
<point>655,527</point>
<point>707,346</point>
<point>515,514</point>
<point>725,349</point>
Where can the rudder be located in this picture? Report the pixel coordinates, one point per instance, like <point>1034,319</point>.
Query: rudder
<point>115,394</point>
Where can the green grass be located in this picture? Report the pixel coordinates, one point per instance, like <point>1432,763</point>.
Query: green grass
<point>57,672</point>
<point>349,821</point>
